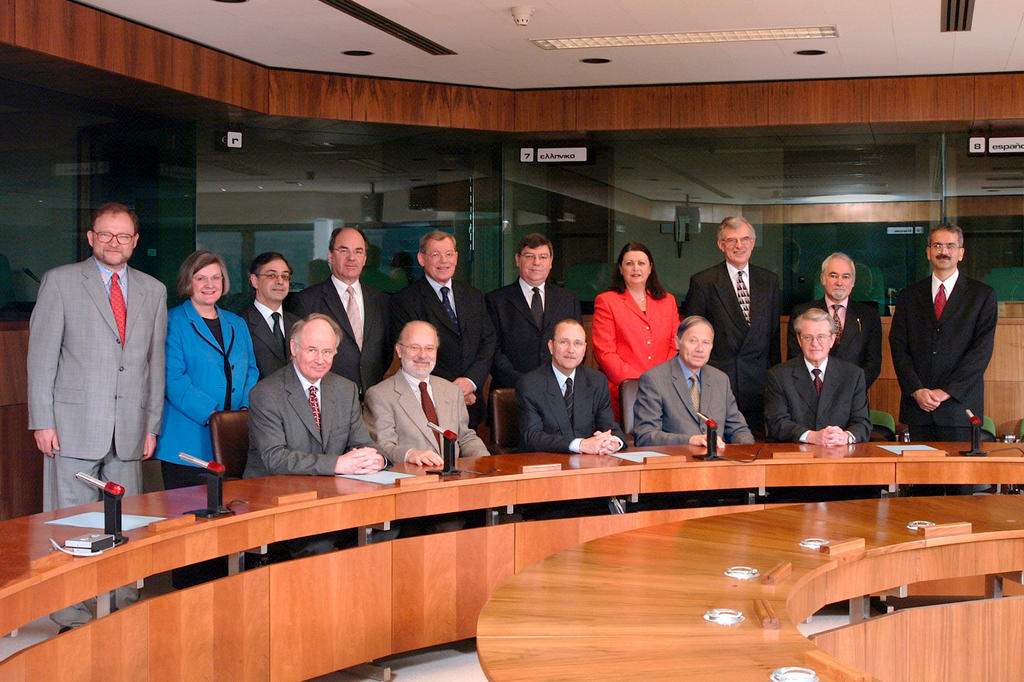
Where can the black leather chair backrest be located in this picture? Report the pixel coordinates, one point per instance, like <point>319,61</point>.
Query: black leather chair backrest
<point>229,434</point>
<point>504,421</point>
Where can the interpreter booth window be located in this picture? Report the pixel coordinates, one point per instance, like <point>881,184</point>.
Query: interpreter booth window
<point>871,196</point>
<point>287,188</point>
<point>985,196</point>
<point>64,156</point>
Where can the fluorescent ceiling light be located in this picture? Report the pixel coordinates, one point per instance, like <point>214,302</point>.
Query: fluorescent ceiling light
<point>740,35</point>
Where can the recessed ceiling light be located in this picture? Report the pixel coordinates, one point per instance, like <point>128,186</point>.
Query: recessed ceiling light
<point>632,40</point>
<point>810,53</point>
<point>595,60</point>
<point>357,53</point>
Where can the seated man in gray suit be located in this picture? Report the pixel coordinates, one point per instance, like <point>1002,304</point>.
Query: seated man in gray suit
<point>814,398</point>
<point>671,394</point>
<point>305,420</point>
<point>563,406</point>
<point>398,408</point>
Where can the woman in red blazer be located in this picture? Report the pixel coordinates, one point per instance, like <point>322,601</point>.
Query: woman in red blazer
<point>635,323</point>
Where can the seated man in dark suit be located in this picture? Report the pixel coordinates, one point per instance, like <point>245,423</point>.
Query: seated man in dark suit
<point>303,419</point>
<point>671,394</point>
<point>814,398</point>
<point>269,323</point>
<point>525,312</point>
<point>858,327</point>
<point>563,406</point>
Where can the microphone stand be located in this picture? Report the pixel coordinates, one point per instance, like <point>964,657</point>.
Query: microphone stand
<point>975,450</point>
<point>112,494</point>
<point>213,472</point>
<point>711,432</point>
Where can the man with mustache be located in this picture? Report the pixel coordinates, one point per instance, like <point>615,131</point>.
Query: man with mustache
<point>941,339</point>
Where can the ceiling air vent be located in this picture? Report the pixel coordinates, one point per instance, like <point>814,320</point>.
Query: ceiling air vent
<point>957,15</point>
<point>354,9</point>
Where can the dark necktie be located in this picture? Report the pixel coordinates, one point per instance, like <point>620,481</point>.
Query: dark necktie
<point>537,307</point>
<point>117,305</point>
<point>447,305</point>
<point>817,379</point>
<point>314,405</point>
<point>279,332</point>
<point>837,321</point>
<point>429,411</point>
<point>743,294</point>
<point>568,395</point>
<point>940,301</point>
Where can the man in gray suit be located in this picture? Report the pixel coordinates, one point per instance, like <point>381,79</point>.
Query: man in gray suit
<point>96,364</point>
<point>398,408</point>
<point>671,394</point>
<point>814,398</point>
<point>305,420</point>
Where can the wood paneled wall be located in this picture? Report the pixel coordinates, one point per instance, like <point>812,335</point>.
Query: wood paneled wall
<point>88,37</point>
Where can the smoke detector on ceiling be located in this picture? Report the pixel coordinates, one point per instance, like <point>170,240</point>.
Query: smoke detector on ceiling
<point>521,14</point>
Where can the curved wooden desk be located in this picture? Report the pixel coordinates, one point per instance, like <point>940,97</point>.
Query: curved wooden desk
<point>311,616</point>
<point>630,606</point>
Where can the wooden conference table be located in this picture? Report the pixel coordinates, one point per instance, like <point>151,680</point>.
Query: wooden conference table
<point>631,606</point>
<point>306,617</point>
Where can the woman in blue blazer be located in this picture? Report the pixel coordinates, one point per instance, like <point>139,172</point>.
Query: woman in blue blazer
<point>210,367</point>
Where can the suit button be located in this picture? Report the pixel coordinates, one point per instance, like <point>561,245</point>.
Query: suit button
<point>120,369</point>
<point>648,357</point>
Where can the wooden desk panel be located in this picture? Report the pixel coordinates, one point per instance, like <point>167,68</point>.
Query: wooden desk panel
<point>575,485</point>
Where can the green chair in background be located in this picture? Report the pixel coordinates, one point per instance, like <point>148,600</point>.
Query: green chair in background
<point>883,426</point>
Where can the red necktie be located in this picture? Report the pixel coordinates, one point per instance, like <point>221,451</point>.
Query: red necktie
<point>817,379</point>
<point>940,301</point>
<point>117,305</point>
<point>429,411</point>
<point>314,404</point>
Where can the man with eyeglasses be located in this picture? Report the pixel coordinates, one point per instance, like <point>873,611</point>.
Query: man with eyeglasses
<point>96,370</point>
<point>525,312</point>
<point>941,338</point>
<point>359,309</point>
<point>742,303</point>
<point>564,406</point>
<point>269,323</point>
<point>458,313</point>
<point>815,398</point>
<point>399,408</point>
<point>858,326</point>
<point>303,418</point>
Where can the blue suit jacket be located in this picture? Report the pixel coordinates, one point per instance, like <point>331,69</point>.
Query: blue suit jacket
<point>196,381</point>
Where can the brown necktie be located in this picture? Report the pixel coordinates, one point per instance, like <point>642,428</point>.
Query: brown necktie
<point>429,411</point>
<point>354,318</point>
<point>695,392</point>
<point>837,322</point>
<point>314,405</point>
<point>117,305</point>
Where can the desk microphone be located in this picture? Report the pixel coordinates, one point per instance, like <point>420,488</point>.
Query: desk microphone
<point>975,450</point>
<point>448,438</point>
<point>214,473</point>
<point>112,494</point>
<point>711,432</point>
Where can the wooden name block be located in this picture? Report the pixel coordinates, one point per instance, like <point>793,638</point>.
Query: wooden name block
<point>292,498</point>
<point>793,454</point>
<point>534,468</point>
<point>945,529</point>
<point>766,614</point>
<point>417,481</point>
<point>923,454</point>
<point>182,521</point>
<point>778,573</point>
<point>843,547</point>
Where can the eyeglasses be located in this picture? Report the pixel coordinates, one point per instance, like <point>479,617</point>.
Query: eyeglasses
<point>820,338</point>
<point>417,348</point>
<point>542,257</point>
<point>438,255</point>
<point>846,277</point>
<point>283,276</point>
<point>733,241</point>
<point>944,247</point>
<point>324,353</point>
<point>105,237</point>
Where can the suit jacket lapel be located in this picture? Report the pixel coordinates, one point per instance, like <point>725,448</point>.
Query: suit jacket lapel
<point>412,405</point>
<point>263,333</point>
<point>557,401</point>
<point>134,304</point>
<point>682,386</point>
<point>805,387</point>
<point>433,303</point>
<point>851,330</point>
<point>727,294</point>
<point>299,402</point>
<point>519,303</point>
<point>829,388</point>
<point>93,286</point>
<point>333,303</point>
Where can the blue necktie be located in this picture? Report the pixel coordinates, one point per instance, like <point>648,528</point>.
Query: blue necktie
<point>447,305</point>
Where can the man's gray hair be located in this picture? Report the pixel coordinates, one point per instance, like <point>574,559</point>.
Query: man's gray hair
<point>735,222</point>
<point>813,315</point>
